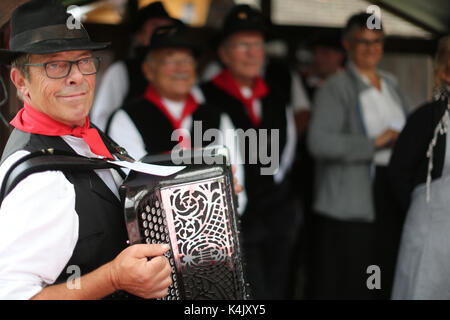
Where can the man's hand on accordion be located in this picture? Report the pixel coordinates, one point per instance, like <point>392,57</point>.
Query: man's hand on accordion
<point>133,272</point>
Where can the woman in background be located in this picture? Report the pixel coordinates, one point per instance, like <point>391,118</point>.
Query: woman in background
<point>420,176</point>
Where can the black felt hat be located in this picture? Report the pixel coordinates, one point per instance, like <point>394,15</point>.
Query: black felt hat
<point>173,36</point>
<point>243,18</point>
<point>153,10</point>
<point>44,26</point>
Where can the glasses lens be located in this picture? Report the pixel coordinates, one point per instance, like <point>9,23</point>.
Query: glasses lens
<point>57,69</point>
<point>89,65</point>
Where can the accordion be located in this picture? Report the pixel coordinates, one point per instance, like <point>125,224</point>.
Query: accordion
<point>194,211</point>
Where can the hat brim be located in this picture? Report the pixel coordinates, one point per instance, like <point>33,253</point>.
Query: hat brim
<point>52,46</point>
<point>178,44</point>
<point>243,28</point>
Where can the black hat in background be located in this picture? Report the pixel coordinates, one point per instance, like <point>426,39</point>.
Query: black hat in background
<point>327,39</point>
<point>44,26</point>
<point>173,36</point>
<point>243,18</point>
<point>153,10</point>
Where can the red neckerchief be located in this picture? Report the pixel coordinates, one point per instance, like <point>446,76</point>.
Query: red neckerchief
<point>30,120</point>
<point>189,108</point>
<point>226,81</point>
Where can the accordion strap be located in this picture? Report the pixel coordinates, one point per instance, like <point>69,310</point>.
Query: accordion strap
<point>49,159</point>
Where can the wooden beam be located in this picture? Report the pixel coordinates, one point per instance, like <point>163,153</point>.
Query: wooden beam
<point>6,9</point>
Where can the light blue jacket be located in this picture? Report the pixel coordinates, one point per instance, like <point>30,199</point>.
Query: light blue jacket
<point>342,150</point>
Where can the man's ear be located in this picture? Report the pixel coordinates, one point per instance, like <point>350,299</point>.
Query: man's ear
<point>20,82</point>
<point>147,71</point>
<point>221,52</point>
<point>345,44</point>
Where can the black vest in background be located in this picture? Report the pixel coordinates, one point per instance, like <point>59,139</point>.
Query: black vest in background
<point>102,234</point>
<point>136,79</point>
<point>261,190</point>
<point>156,129</point>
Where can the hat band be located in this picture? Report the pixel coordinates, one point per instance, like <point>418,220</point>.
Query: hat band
<point>53,32</point>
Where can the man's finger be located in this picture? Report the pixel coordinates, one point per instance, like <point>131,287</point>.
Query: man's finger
<point>150,250</point>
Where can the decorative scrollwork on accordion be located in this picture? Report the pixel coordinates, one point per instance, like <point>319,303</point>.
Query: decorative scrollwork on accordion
<point>197,219</point>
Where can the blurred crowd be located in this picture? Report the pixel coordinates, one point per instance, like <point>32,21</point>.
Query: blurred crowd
<point>327,224</point>
<point>356,206</point>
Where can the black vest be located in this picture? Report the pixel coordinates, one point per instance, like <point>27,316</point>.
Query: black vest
<point>136,79</point>
<point>156,129</point>
<point>261,189</point>
<point>102,234</point>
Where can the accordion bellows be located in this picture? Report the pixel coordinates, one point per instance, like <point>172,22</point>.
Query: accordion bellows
<point>194,211</point>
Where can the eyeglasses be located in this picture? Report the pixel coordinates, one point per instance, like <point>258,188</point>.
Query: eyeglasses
<point>368,43</point>
<point>246,46</point>
<point>173,62</point>
<point>61,69</point>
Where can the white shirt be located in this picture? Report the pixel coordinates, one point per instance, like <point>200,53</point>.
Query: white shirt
<point>39,226</point>
<point>110,94</point>
<point>381,111</point>
<point>124,132</point>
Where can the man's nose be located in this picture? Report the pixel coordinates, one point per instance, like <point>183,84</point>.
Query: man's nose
<point>75,75</point>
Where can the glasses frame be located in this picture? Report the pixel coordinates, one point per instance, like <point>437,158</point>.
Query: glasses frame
<point>369,43</point>
<point>72,62</point>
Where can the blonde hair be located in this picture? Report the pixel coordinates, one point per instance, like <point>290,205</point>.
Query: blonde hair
<point>442,60</point>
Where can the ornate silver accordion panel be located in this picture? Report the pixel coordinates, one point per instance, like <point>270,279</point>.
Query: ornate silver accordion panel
<point>194,211</point>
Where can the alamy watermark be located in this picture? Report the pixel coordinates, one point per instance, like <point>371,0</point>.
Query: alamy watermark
<point>75,18</point>
<point>374,280</point>
<point>251,146</point>
<point>73,281</point>
<point>374,21</point>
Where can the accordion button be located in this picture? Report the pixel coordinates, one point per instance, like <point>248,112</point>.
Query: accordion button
<point>157,203</point>
<point>145,224</point>
<point>153,210</point>
<point>146,232</point>
<point>158,212</point>
<point>150,225</point>
<point>143,215</point>
<point>147,208</point>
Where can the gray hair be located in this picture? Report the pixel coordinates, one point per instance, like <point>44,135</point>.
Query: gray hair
<point>359,22</point>
<point>20,64</point>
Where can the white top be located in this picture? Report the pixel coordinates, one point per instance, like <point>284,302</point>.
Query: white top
<point>247,93</point>
<point>123,131</point>
<point>381,111</point>
<point>110,94</point>
<point>39,226</point>
<point>299,98</point>
<point>446,169</point>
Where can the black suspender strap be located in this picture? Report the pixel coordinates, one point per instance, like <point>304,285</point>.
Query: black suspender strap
<point>49,159</point>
